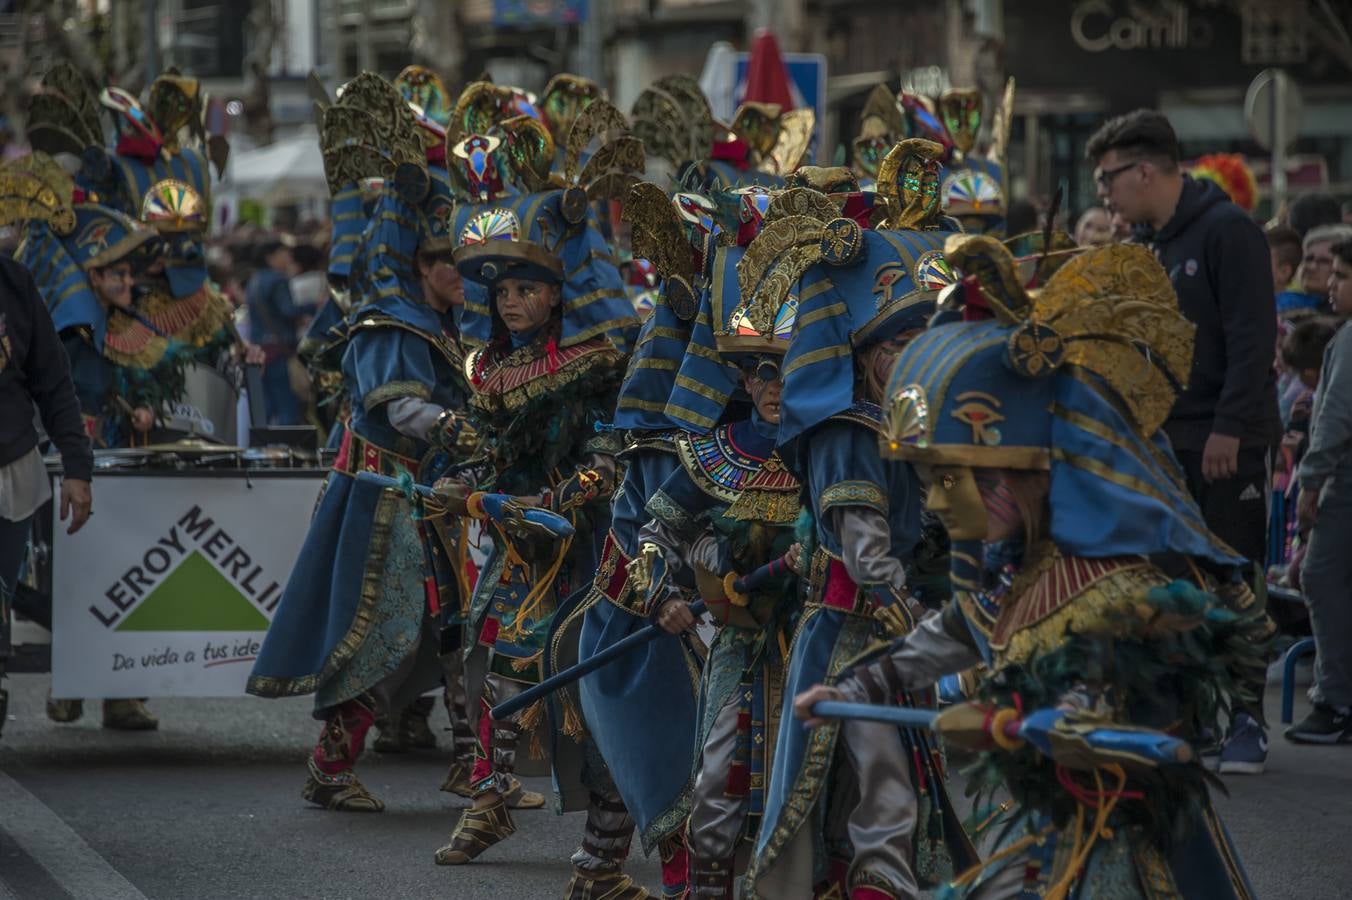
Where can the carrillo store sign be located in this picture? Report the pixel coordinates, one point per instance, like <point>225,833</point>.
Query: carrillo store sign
<point>1098,26</point>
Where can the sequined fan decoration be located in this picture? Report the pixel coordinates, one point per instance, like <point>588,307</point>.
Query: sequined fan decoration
<point>173,205</point>
<point>491,225</point>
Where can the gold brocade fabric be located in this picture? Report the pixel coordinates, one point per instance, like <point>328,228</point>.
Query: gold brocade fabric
<point>1055,596</point>
<point>194,320</point>
<point>525,373</point>
<point>131,343</point>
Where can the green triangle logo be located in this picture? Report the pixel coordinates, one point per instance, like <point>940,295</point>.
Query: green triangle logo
<point>195,597</point>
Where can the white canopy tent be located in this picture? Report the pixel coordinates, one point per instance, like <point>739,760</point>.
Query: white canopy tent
<point>287,172</point>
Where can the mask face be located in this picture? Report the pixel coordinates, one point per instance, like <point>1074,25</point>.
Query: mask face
<point>953,496</point>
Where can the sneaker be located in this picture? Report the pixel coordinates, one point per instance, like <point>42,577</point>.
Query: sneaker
<point>1324,725</point>
<point>1245,749</point>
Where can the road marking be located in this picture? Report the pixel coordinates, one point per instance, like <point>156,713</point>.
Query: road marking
<point>55,846</point>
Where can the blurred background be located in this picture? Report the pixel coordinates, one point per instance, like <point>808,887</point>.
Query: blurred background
<point>1075,62</point>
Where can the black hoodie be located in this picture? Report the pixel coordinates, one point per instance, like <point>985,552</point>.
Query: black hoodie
<point>1218,261</point>
<point>34,370</point>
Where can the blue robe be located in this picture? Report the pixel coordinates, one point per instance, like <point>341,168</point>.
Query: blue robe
<point>640,709</point>
<point>354,605</point>
<point>843,451</point>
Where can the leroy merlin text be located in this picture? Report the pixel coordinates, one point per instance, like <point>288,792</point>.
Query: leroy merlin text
<point>193,530</point>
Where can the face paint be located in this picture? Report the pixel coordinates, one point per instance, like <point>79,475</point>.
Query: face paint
<point>1004,519</point>
<point>765,392</point>
<point>953,497</point>
<point>525,305</point>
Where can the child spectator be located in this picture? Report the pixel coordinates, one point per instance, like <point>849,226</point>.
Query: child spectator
<point>1325,506</point>
<point>1301,355</point>
<point>1285,250</point>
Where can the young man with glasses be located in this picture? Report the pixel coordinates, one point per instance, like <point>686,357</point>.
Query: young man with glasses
<point>1225,421</point>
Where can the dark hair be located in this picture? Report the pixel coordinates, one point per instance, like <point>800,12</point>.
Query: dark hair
<point>1143,134</point>
<point>265,249</point>
<point>1343,250</point>
<point>1303,346</point>
<point>1285,242</point>
<point>1312,210</point>
<point>307,257</point>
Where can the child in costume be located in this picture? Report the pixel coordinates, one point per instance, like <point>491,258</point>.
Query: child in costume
<point>542,298</point>
<point>1037,432</point>
<point>861,807</point>
<point>728,510</point>
<point>355,625</point>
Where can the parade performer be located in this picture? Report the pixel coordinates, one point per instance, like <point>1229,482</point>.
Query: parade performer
<point>729,509</point>
<point>155,176</point>
<point>544,374</point>
<point>1036,424</point>
<point>356,626</point>
<point>641,709</point>
<point>862,295</point>
<point>122,367</point>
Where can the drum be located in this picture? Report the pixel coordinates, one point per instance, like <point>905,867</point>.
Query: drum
<point>208,407</point>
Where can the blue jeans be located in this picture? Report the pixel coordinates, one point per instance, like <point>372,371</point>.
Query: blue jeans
<point>278,398</point>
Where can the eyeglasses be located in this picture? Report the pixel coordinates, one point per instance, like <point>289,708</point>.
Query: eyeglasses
<point>1105,177</point>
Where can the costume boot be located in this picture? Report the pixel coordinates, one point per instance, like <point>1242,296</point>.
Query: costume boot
<point>597,865</point>
<point>457,777</point>
<point>128,715</point>
<point>517,797</point>
<point>389,737</point>
<point>710,879</point>
<point>414,731</point>
<point>603,884</point>
<point>485,824</point>
<point>332,784</point>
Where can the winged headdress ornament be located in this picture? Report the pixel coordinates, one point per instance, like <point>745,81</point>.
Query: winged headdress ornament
<point>610,170</point>
<point>673,120</point>
<point>908,183</point>
<point>63,116</point>
<point>777,139</point>
<point>35,188</point>
<point>370,132</point>
<point>803,227</point>
<point>881,125</point>
<point>564,98</point>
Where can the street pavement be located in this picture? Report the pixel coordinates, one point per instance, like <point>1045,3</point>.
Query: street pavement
<point>209,807</point>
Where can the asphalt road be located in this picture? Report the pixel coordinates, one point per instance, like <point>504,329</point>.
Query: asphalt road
<point>209,807</point>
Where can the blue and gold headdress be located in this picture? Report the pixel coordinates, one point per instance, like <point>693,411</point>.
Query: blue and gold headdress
<point>974,185</point>
<point>854,286</point>
<point>1076,377</point>
<point>548,232</point>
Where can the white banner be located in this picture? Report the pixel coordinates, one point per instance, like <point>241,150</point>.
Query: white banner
<point>170,587</point>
